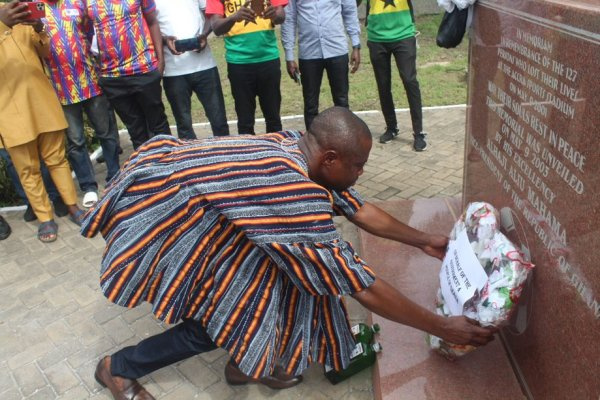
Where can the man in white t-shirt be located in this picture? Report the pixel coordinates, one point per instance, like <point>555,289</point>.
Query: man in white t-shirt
<point>190,71</point>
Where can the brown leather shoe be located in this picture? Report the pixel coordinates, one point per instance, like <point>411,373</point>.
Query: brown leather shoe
<point>121,388</point>
<point>279,379</point>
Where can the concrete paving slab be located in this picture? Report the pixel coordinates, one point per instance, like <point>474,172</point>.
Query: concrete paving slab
<point>55,323</point>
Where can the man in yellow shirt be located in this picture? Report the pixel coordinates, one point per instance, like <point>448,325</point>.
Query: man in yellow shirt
<point>32,123</point>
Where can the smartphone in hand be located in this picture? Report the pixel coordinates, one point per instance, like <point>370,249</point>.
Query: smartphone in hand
<point>297,77</point>
<point>190,44</point>
<point>37,10</point>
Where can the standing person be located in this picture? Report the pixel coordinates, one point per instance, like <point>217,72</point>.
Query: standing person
<point>191,71</point>
<point>391,31</point>
<point>321,28</point>
<point>131,64</point>
<point>73,74</point>
<point>250,260</point>
<point>60,208</point>
<point>32,123</point>
<point>252,58</point>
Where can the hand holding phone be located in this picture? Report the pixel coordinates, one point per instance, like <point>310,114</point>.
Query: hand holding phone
<point>297,77</point>
<point>190,44</point>
<point>14,13</point>
<point>37,10</point>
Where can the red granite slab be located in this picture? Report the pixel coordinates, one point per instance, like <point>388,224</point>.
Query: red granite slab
<point>407,369</point>
<point>532,150</point>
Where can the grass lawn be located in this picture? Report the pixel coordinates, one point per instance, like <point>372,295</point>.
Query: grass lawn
<point>442,76</point>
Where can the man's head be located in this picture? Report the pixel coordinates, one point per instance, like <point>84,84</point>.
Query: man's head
<point>337,146</point>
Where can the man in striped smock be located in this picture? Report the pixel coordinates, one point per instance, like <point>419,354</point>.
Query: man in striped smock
<point>235,237</point>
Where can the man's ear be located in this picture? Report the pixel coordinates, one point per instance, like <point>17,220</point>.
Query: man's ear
<point>330,157</point>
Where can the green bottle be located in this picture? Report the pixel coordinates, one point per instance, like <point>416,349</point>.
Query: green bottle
<point>363,355</point>
<point>364,333</point>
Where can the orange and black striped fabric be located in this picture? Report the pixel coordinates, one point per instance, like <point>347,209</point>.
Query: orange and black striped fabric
<point>233,233</point>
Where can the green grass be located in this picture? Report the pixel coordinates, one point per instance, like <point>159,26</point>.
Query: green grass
<point>441,73</point>
<point>442,76</point>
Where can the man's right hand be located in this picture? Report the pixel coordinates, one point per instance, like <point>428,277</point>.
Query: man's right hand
<point>465,331</point>
<point>170,42</point>
<point>244,13</point>
<point>14,13</point>
<point>292,69</point>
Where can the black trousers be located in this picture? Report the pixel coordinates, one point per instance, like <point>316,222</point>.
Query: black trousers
<point>249,81</point>
<point>405,54</point>
<point>184,340</point>
<point>312,75</point>
<point>137,99</point>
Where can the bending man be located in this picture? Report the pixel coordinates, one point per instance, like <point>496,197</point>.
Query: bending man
<point>236,238</point>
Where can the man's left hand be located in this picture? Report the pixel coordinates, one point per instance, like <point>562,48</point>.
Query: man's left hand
<point>436,247</point>
<point>202,42</point>
<point>355,60</point>
<point>37,24</point>
<point>161,66</point>
<point>275,14</point>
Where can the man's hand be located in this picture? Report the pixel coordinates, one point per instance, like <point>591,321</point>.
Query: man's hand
<point>275,14</point>
<point>436,247</point>
<point>170,42</point>
<point>465,331</point>
<point>202,42</point>
<point>292,69</point>
<point>355,60</point>
<point>244,13</point>
<point>14,13</point>
<point>161,66</point>
<point>385,300</point>
<point>37,24</point>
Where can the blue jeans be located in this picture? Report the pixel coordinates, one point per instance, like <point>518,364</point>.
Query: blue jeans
<point>207,86</point>
<point>14,177</point>
<point>105,129</point>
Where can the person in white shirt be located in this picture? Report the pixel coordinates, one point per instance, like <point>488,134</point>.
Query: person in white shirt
<point>190,71</point>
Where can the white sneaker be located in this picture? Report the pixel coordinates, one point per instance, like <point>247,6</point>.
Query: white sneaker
<point>90,199</point>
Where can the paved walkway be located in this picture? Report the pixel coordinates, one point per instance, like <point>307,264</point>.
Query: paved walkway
<point>55,323</point>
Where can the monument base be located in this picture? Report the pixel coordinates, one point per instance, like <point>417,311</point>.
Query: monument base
<point>407,368</point>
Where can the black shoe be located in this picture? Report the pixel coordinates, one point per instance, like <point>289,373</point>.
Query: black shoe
<point>60,208</point>
<point>420,144</point>
<point>388,135</point>
<point>29,214</point>
<point>4,229</point>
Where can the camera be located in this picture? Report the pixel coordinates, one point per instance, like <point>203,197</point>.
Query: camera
<point>187,44</point>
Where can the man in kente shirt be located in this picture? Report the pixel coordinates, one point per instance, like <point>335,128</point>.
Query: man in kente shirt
<point>235,238</point>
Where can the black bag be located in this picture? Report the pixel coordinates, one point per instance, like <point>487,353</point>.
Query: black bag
<point>452,28</point>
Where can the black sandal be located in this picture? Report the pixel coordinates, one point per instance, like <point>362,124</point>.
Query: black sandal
<point>47,231</point>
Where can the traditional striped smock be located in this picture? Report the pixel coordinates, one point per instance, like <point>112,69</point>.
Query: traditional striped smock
<point>233,233</point>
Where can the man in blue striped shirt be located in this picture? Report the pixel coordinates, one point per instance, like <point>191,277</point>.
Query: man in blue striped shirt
<point>321,28</point>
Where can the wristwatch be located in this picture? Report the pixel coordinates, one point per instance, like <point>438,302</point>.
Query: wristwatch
<point>356,46</point>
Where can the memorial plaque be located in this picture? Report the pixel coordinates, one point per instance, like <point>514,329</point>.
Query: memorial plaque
<point>533,151</point>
